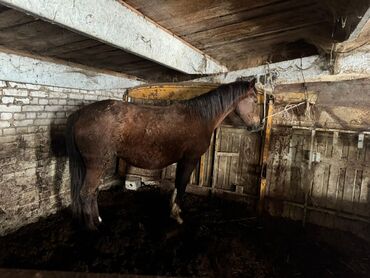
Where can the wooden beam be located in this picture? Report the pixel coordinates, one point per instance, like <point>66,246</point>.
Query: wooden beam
<point>360,26</point>
<point>116,24</point>
<point>308,69</point>
<point>36,70</point>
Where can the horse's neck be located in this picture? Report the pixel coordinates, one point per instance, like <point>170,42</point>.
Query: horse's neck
<point>219,119</point>
<point>222,110</point>
<point>223,114</point>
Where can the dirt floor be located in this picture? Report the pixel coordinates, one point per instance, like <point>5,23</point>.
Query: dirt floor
<point>219,239</point>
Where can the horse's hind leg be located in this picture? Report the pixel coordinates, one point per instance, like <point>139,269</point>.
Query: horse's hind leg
<point>89,195</point>
<point>183,172</point>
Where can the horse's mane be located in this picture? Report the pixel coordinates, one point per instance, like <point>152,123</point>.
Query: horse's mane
<point>216,101</point>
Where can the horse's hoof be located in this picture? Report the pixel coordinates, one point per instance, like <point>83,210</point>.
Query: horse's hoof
<point>179,220</point>
<point>175,213</point>
<point>92,228</point>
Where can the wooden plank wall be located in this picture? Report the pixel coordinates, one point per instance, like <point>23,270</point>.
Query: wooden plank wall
<point>230,166</point>
<point>236,166</point>
<point>335,191</point>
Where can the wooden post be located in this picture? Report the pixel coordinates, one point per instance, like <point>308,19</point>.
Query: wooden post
<point>264,157</point>
<point>216,158</point>
<point>309,178</point>
<point>201,171</point>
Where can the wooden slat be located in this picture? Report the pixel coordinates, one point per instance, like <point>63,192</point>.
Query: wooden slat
<point>69,47</point>
<point>216,166</point>
<point>251,13</point>
<point>227,154</point>
<point>37,36</point>
<point>236,160</point>
<point>11,18</point>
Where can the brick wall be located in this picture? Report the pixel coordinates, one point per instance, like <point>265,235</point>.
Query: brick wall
<point>34,180</point>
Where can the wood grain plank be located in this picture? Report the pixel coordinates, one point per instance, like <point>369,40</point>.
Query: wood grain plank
<point>356,207</point>
<point>218,17</point>
<point>364,204</point>
<point>3,8</point>
<point>11,18</point>
<point>37,36</point>
<point>60,50</point>
<point>254,28</point>
<point>347,200</point>
<point>215,179</point>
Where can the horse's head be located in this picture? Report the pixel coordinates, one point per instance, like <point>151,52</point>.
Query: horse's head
<point>247,108</point>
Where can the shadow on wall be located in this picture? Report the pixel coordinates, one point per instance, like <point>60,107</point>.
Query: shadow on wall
<point>51,160</point>
<point>58,150</point>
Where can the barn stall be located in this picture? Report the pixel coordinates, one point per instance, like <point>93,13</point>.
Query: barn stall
<point>292,199</point>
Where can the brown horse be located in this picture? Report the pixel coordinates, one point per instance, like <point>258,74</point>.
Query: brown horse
<point>148,137</point>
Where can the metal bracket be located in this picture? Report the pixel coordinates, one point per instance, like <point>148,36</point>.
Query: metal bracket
<point>361,139</point>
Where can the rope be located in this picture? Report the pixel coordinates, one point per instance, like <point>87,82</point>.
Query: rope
<point>268,80</point>
<point>286,109</point>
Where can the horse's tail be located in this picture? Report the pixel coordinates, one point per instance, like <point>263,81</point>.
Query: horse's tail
<point>77,168</point>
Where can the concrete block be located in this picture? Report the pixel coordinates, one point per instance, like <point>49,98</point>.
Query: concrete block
<point>7,100</point>
<point>42,122</point>
<point>53,101</point>
<point>22,123</point>
<point>53,108</point>
<point>22,101</point>
<point>22,130</point>
<point>31,115</point>
<point>7,139</point>
<point>4,124</point>
<point>15,92</point>
<point>43,101</point>
<point>6,116</point>
<point>58,95</point>
<point>90,97</point>
<point>42,115</point>
<point>61,114</point>
<point>74,96</point>
<point>38,94</point>
<point>33,108</point>
<point>9,131</point>
<point>19,116</point>
<point>10,108</point>
<point>34,100</point>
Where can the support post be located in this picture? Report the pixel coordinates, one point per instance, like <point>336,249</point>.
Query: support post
<point>264,157</point>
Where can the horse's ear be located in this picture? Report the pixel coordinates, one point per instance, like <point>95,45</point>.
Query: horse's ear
<point>252,83</point>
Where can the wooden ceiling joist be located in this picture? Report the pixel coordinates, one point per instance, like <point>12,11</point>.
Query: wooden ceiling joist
<point>115,24</point>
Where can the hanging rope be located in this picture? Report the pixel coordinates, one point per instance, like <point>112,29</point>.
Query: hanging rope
<point>288,107</point>
<point>285,110</point>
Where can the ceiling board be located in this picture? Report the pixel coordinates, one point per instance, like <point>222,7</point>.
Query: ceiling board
<point>237,33</point>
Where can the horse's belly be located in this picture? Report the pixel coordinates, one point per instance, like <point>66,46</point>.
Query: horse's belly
<point>150,158</point>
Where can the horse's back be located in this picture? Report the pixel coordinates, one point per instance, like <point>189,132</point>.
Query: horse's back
<point>145,136</point>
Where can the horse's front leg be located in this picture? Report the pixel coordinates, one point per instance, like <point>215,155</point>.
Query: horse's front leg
<point>183,172</point>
